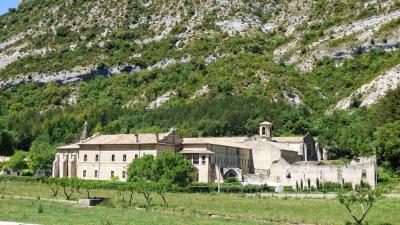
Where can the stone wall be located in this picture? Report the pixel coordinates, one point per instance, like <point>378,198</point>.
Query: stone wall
<point>311,173</point>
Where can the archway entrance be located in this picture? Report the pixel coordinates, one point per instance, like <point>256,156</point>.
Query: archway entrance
<point>230,173</point>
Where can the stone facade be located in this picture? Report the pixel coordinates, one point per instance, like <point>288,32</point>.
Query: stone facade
<point>313,173</point>
<point>105,156</point>
<point>260,159</point>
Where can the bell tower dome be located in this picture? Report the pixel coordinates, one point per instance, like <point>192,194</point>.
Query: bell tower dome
<point>265,130</point>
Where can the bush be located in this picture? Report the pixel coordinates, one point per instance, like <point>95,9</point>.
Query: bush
<point>227,188</point>
<point>232,180</point>
<point>288,189</point>
<point>20,179</point>
<point>27,173</point>
<point>62,31</point>
<point>40,208</point>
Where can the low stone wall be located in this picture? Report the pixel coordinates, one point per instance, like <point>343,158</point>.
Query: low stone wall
<point>91,202</point>
<point>311,174</point>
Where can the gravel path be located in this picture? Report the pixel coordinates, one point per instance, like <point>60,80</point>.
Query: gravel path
<point>12,223</point>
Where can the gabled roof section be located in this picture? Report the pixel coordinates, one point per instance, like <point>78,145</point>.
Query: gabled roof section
<point>236,142</point>
<point>265,123</point>
<point>283,146</point>
<point>69,147</point>
<point>196,151</point>
<point>296,139</point>
<point>125,139</point>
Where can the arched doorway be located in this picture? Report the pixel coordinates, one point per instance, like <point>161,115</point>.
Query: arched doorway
<point>230,173</point>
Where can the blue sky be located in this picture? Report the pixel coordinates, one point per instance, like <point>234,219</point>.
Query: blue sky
<point>6,4</point>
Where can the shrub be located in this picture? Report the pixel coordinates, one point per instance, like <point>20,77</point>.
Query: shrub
<point>62,31</point>
<point>19,179</point>
<point>40,208</point>
<point>27,173</point>
<point>232,180</point>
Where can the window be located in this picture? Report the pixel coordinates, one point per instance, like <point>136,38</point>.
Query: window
<point>95,173</point>
<point>136,156</point>
<point>112,173</point>
<point>196,159</point>
<point>113,158</point>
<point>364,173</point>
<point>203,159</point>
<point>97,157</point>
<point>123,174</point>
<point>124,158</point>
<point>263,130</point>
<point>85,158</point>
<point>84,173</point>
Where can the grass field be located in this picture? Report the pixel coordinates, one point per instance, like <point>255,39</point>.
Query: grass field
<point>187,209</point>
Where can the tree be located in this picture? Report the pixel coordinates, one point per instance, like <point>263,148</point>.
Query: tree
<point>362,198</point>
<point>18,161</point>
<point>158,175</point>
<point>174,168</point>
<point>145,187</point>
<point>62,31</point>
<point>3,186</point>
<point>224,86</point>
<point>6,143</point>
<point>131,188</point>
<point>387,144</point>
<point>53,184</point>
<point>161,187</point>
<point>41,155</point>
<point>69,186</point>
<point>86,185</point>
<point>142,168</point>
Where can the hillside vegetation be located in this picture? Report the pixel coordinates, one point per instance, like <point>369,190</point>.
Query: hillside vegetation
<point>210,68</point>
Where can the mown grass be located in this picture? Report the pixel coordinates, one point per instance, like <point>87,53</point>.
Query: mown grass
<point>240,207</point>
<point>65,214</point>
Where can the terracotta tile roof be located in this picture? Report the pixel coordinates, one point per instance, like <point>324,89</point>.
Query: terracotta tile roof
<point>196,151</point>
<point>66,147</point>
<point>207,140</point>
<point>288,139</point>
<point>237,142</point>
<point>284,146</point>
<point>123,139</point>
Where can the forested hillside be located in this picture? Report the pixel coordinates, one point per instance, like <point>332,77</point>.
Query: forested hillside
<point>210,68</point>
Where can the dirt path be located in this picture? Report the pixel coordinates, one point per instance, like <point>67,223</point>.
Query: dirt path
<point>13,223</point>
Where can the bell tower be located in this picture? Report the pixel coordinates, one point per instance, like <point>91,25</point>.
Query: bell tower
<point>265,131</point>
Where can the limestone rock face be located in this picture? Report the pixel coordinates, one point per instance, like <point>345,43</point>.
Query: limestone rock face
<point>70,41</point>
<point>374,90</point>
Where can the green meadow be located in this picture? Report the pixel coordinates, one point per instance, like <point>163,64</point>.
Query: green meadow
<point>184,208</point>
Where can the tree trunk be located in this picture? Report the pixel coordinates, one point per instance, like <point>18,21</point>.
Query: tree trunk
<point>68,195</point>
<point>164,199</point>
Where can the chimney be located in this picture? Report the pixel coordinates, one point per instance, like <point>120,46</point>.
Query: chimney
<point>265,131</point>
<point>137,138</point>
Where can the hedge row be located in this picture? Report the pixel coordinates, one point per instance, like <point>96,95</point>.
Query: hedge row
<point>193,188</point>
<point>20,178</point>
<point>226,188</point>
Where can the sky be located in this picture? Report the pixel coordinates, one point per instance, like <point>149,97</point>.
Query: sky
<point>6,4</point>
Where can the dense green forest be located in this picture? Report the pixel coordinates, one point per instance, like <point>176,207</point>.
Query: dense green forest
<point>33,113</point>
